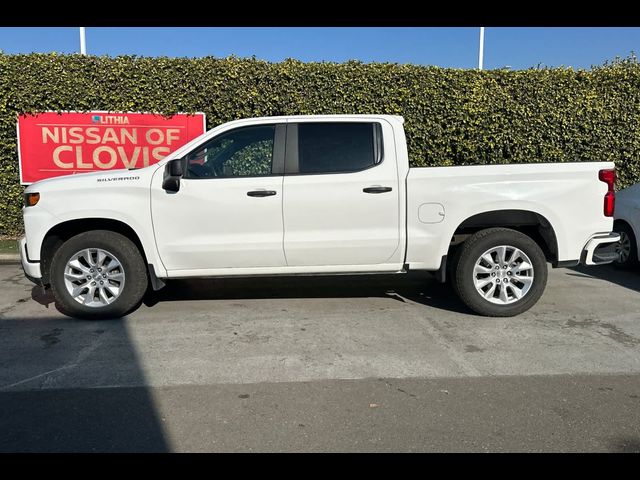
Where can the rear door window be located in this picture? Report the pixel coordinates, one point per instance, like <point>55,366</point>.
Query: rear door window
<point>338,147</point>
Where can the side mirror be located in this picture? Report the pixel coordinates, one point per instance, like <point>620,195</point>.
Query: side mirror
<point>172,173</point>
<point>175,168</point>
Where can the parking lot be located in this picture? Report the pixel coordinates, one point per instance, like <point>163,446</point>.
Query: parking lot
<point>367,363</point>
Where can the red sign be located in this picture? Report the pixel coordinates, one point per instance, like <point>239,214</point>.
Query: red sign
<point>52,144</point>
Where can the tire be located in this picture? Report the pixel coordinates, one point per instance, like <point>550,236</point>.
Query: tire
<point>627,248</point>
<point>503,301</point>
<point>128,279</point>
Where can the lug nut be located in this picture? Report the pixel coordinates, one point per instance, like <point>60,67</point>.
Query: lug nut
<point>505,267</point>
<point>497,280</point>
<point>104,275</point>
<point>508,273</point>
<point>91,270</point>
<point>497,267</point>
<point>93,283</point>
<point>101,282</point>
<point>89,277</point>
<point>101,269</point>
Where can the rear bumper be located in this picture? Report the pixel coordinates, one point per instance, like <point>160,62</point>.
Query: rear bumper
<point>600,249</point>
<point>31,269</point>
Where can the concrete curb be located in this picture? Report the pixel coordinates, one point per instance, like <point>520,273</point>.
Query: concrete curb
<point>9,258</point>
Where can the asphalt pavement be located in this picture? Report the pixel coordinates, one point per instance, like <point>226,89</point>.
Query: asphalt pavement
<point>369,363</point>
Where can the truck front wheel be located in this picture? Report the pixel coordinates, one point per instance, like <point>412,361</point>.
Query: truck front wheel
<point>500,272</point>
<point>98,274</point>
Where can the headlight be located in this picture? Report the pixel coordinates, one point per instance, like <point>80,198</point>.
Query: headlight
<point>31,199</point>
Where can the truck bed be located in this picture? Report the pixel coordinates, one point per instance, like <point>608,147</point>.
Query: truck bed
<point>569,196</point>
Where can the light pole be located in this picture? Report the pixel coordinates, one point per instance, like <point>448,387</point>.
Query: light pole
<point>481,52</point>
<point>83,42</point>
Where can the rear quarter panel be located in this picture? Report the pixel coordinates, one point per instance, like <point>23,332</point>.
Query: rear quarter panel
<point>569,195</point>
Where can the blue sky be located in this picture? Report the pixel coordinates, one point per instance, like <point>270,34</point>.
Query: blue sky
<point>516,47</point>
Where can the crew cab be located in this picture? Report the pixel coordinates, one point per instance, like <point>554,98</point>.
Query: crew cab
<point>314,195</point>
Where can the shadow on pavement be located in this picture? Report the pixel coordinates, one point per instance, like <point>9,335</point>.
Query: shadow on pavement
<point>625,445</point>
<point>58,375</point>
<point>55,374</point>
<point>625,278</point>
<point>422,289</point>
<point>80,420</point>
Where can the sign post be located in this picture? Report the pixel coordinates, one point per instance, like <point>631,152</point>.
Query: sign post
<point>481,52</point>
<point>83,42</point>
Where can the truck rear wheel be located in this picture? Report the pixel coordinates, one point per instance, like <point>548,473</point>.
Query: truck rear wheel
<point>98,274</point>
<point>500,272</point>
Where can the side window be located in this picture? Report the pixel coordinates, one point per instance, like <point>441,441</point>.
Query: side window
<point>243,152</point>
<point>338,146</point>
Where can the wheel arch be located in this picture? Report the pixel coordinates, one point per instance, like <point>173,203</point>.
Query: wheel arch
<point>58,234</point>
<point>624,221</point>
<point>528,222</point>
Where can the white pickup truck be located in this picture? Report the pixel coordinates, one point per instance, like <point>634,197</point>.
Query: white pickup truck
<point>314,195</point>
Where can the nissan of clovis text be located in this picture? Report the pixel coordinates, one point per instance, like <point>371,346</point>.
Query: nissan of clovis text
<point>314,195</point>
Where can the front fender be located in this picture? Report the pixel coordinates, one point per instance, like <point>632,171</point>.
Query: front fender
<point>141,225</point>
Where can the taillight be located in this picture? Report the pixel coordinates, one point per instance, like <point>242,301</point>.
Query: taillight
<point>609,177</point>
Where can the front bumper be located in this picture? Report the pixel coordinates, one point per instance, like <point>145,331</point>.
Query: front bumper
<point>600,249</point>
<point>31,269</point>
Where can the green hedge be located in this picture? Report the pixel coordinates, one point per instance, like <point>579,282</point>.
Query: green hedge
<point>453,117</point>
